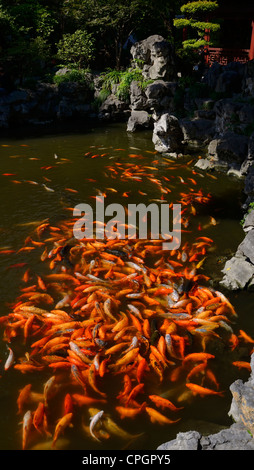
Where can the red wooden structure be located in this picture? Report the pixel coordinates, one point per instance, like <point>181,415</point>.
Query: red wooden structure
<point>237,35</point>
<point>225,55</point>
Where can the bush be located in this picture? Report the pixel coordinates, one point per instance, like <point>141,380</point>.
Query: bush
<point>123,81</point>
<point>76,49</point>
<point>72,75</point>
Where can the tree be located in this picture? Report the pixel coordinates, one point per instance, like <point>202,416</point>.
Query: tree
<point>195,16</point>
<point>112,22</point>
<point>76,49</point>
<point>26,27</point>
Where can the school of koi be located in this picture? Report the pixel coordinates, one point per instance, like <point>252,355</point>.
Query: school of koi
<point>115,308</point>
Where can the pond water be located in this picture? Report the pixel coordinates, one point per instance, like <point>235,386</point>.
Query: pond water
<point>41,177</point>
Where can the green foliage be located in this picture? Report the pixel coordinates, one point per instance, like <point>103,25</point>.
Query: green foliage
<point>196,21</point>
<point>194,43</point>
<point>201,6</point>
<point>73,75</point>
<point>77,31</point>
<point>76,49</point>
<point>250,209</point>
<point>123,81</point>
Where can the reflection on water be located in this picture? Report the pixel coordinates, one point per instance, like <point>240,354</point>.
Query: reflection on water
<point>41,177</point>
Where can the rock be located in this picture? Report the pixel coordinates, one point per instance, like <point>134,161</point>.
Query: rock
<point>212,75</point>
<point>235,172</point>
<point>238,272</point>
<point>226,111</point>
<point>231,149</point>
<point>204,164</point>
<point>246,248</point>
<point>157,55</point>
<point>17,96</point>
<point>248,79</point>
<point>249,185</point>
<point>234,114</point>
<point>242,406</point>
<point>184,441</point>
<point>250,156</point>
<point>138,98</point>
<point>225,79</point>
<point>160,95</point>
<point>139,120</point>
<point>228,81</point>
<point>249,221</point>
<point>5,114</point>
<point>167,134</point>
<point>197,132</point>
<point>112,107</point>
<point>234,438</point>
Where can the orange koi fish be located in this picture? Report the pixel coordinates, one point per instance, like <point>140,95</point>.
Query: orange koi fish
<point>23,397</point>
<point>242,365</point>
<point>62,424</point>
<point>245,337</point>
<point>137,389</point>
<point>130,412</point>
<point>84,400</point>
<point>198,357</point>
<point>157,417</point>
<point>202,391</point>
<point>38,416</point>
<point>164,403</point>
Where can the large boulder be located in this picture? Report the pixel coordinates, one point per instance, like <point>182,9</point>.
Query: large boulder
<point>248,163</point>
<point>160,96</point>
<point>238,272</point>
<point>249,186</point>
<point>139,120</point>
<point>228,150</point>
<point>113,107</point>
<point>138,99</point>
<point>234,114</point>
<point>246,247</point>
<point>225,79</point>
<point>248,79</point>
<point>236,437</point>
<point>157,56</point>
<point>242,406</point>
<point>229,81</point>
<point>197,132</point>
<point>167,134</point>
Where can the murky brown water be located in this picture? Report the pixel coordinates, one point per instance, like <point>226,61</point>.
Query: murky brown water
<point>35,172</point>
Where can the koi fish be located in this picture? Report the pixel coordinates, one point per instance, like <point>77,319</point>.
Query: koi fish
<point>93,421</point>
<point>62,424</point>
<point>202,391</point>
<point>130,412</point>
<point>26,428</point>
<point>38,416</point>
<point>23,397</point>
<point>242,365</point>
<point>164,403</point>
<point>157,417</point>
<point>84,400</point>
<point>198,357</point>
<point>116,430</point>
<point>10,359</point>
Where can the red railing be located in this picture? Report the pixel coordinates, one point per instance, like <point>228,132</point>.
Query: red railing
<point>223,55</point>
